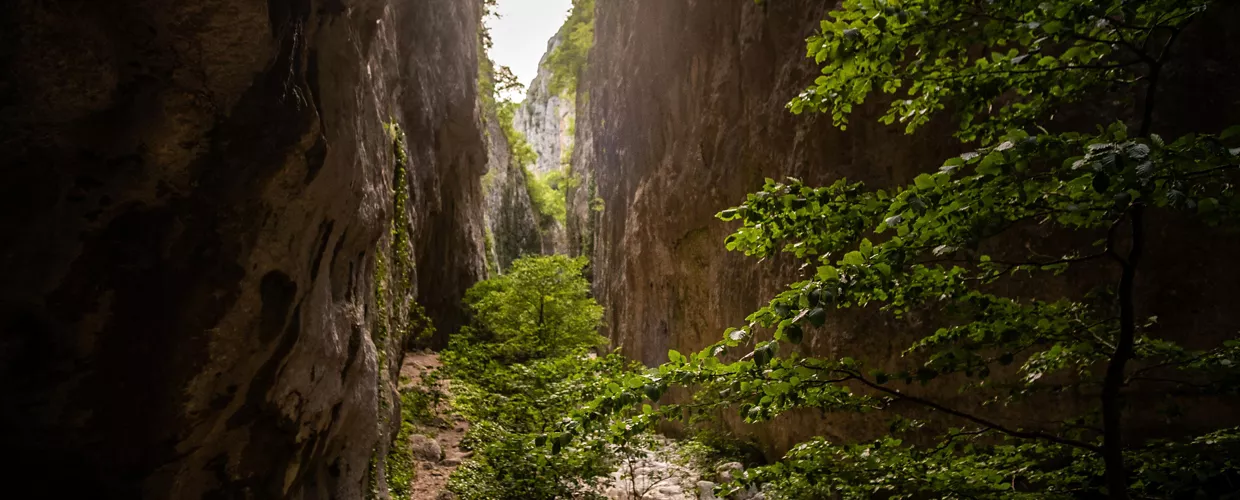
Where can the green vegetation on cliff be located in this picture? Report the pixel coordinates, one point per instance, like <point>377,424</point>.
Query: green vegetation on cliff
<point>568,60</point>
<point>546,192</point>
<point>398,322</point>
<point>941,255</point>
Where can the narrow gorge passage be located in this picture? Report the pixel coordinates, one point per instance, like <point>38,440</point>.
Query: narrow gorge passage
<point>620,249</point>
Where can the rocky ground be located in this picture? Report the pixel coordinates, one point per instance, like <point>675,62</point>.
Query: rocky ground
<point>660,469</point>
<point>437,446</point>
<point>663,470</point>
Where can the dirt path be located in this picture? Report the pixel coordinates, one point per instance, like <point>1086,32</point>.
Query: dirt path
<point>447,429</point>
<point>659,470</point>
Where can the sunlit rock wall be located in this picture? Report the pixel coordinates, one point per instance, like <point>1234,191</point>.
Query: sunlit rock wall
<point>546,118</point>
<point>685,115</point>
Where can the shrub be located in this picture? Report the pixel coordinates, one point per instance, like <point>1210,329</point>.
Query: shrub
<point>524,363</point>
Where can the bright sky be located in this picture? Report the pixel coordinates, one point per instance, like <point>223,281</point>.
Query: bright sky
<point>522,31</point>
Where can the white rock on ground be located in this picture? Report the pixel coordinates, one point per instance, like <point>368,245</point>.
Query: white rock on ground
<point>658,472</point>
<point>425,448</point>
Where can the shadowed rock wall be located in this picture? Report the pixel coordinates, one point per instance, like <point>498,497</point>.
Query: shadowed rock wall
<point>681,113</point>
<point>194,196</point>
<point>510,213</point>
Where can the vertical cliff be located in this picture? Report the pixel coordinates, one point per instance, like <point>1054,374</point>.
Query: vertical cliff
<point>546,118</point>
<point>217,216</point>
<point>685,114</point>
<point>543,123</point>
<point>681,114</point>
<point>511,218</point>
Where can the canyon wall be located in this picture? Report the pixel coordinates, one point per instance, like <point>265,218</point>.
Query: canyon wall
<point>546,118</point>
<point>681,113</point>
<point>217,215</point>
<point>546,121</point>
<point>511,218</point>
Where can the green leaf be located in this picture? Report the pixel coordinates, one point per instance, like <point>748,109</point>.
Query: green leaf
<point>854,258</point>
<point>990,164</point>
<point>652,392</point>
<point>924,181</point>
<point>675,356</point>
<point>817,316</point>
<point>794,333</point>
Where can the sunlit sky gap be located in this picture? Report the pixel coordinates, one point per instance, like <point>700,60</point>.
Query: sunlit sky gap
<point>522,31</point>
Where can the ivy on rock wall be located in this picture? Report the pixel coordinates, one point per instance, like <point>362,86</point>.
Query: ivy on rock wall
<point>398,323</point>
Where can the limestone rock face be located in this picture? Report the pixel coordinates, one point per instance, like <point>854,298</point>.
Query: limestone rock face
<point>546,118</point>
<point>511,218</point>
<point>213,236</point>
<point>685,116</point>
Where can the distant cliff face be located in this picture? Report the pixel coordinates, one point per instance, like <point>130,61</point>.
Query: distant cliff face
<point>511,219</point>
<point>546,119</point>
<point>685,115</point>
<point>213,232</point>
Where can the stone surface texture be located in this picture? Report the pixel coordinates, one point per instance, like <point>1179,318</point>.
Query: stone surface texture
<point>546,118</point>
<point>511,218</point>
<point>201,228</point>
<point>545,121</point>
<point>685,115</point>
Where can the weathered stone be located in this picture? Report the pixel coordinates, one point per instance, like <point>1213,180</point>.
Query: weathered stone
<point>193,200</point>
<point>685,115</point>
<point>706,490</point>
<point>729,472</point>
<point>510,215</point>
<point>425,448</point>
<point>546,118</point>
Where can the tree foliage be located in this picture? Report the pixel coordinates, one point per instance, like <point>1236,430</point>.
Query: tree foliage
<point>540,309</point>
<point>941,250</point>
<point>524,362</point>
<point>549,195</point>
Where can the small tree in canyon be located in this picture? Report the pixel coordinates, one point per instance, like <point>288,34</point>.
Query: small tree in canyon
<point>946,251</point>
<point>526,359</point>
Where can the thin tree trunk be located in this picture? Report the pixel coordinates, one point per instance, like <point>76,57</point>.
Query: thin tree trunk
<point>1112,399</point>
